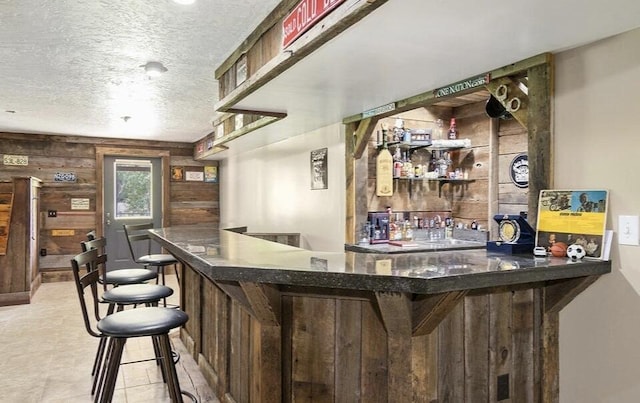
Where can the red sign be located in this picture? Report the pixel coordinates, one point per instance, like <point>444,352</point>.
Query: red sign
<point>304,16</point>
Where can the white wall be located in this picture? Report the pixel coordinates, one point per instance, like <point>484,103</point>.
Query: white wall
<point>597,139</point>
<point>269,190</point>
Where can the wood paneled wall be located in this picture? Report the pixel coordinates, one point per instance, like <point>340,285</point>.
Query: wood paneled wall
<point>190,202</point>
<point>466,201</point>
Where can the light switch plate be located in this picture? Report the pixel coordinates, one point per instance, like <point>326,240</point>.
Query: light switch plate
<point>628,233</point>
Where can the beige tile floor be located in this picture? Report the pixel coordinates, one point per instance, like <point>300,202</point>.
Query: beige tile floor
<point>46,355</point>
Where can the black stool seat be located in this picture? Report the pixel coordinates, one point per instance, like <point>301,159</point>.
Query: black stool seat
<point>151,321</point>
<point>137,294</point>
<point>158,259</point>
<point>128,276</point>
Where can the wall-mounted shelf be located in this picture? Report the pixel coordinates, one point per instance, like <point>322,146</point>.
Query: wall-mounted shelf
<point>441,182</point>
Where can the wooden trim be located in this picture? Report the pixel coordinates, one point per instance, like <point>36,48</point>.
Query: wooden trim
<point>101,152</point>
<point>350,178</point>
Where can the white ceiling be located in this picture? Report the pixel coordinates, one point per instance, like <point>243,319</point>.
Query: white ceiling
<point>73,67</point>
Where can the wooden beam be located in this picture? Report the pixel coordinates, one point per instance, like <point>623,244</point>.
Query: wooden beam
<point>350,181</point>
<point>362,135</point>
<point>562,292</point>
<point>264,300</point>
<point>539,127</point>
<point>395,309</point>
<point>430,311</point>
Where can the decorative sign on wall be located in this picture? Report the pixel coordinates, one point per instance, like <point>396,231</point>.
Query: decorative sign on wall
<point>211,174</point>
<point>177,173</point>
<point>519,170</point>
<point>379,110</point>
<point>319,169</point>
<point>21,160</point>
<point>194,176</point>
<point>80,204</point>
<point>63,232</point>
<point>304,16</point>
<point>462,86</point>
<point>65,177</point>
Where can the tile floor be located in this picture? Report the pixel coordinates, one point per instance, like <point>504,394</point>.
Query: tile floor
<point>46,355</point>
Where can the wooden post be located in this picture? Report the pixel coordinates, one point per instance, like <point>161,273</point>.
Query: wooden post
<point>540,134</point>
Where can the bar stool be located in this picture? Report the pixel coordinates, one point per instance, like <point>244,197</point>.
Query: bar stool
<point>119,276</point>
<point>138,234</point>
<point>119,326</point>
<point>117,298</point>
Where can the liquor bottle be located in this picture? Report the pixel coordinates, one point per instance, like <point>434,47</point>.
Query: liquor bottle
<point>453,131</point>
<point>407,167</point>
<point>439,132</point>
<point>384,169</point>
<point>397,163</point>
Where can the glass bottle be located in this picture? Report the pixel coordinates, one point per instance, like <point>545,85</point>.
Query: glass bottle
<point>452,134</point>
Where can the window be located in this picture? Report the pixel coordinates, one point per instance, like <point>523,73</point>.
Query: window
<point>133,189</point>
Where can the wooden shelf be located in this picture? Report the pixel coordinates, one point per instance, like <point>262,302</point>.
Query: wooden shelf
<point>441,182</point>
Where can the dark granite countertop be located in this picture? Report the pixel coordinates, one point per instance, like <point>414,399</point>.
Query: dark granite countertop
<point>224,255</point>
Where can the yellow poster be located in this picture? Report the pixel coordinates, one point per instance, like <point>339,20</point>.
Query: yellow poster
<point>572,217</point>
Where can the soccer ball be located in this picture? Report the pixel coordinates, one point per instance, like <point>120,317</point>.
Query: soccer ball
<point>576,251</point>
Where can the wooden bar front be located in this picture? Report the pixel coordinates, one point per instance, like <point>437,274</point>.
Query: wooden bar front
<point>269,341</point>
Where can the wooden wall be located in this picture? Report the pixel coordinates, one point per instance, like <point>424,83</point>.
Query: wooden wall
<point>190,202</point>
<point>512,141</point>
<point>465,201</point>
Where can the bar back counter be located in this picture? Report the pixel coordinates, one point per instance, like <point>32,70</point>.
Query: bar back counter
<point>276,323</point>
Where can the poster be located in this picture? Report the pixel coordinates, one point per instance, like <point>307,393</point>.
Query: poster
<point>572,217</point>
<point>319,169</point>
<point>211,174</point>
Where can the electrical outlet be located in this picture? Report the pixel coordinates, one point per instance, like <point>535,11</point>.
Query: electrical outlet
<point>43,252</point>
<point>52,213</point>
<point>628,230</point>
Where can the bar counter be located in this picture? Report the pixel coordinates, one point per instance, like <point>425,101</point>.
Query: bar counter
<point>271,322</point>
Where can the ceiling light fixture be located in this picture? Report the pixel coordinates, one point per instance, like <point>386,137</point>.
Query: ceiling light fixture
<point>184,1</point>
<point>154,69</point>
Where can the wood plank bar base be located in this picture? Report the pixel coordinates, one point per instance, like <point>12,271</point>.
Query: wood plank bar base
<point>270,328</point>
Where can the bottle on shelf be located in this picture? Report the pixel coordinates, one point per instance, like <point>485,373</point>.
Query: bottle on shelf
<point>443,164</point>
<point>452,134</point>
<point>407,166</point>
<point>439,130</point>
<point>397,163</point>
<point>384,169</point>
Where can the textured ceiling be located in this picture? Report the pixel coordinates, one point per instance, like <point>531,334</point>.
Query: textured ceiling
<point>73,66</point>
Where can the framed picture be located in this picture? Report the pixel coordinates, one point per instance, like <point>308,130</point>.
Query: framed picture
<point>319,169</point>
<point>177,173</point>
<point>211,174</point>
<point>194,176</point>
